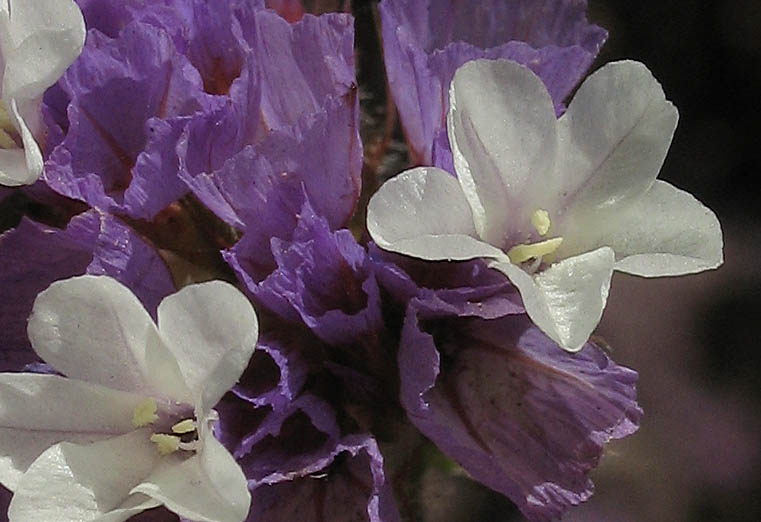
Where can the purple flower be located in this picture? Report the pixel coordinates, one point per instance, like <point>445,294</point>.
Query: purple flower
<point>424,42</point>
<point>517,413</point>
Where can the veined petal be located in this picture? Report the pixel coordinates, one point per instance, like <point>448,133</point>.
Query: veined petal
<point>567,299</point>
<point>94,329</point>
<point>207,487</point>
<point>423,213</point>
<point>613,139</point>
<point>666,232</point>
<point>43,39</point>
<point>211,328</point>
<point>77,483</point>
<point>502,130</point>
<point>37,411</point>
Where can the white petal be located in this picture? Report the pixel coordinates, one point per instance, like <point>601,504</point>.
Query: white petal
<point>566,300</point>
<point>13,168</point>
<point>502,129</point>
<point>211,328</point>
<point>94,329</point>
<point>423,213</point>
<point>667,232</point>
<point>37,411</point>
<point>43,38</point>
<point>207,487</point>
<point>26,116</point>
<point>77,483</point>
<point>22,166</point>
<point>613,138</point>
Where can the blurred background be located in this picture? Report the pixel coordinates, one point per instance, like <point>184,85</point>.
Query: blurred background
<point>695,340</point>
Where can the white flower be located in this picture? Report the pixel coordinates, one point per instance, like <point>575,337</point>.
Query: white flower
<point>38,40</point>
<point>130,428</point>
<point>555,204</point>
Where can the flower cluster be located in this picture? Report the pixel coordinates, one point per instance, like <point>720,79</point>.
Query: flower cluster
<point>187,141</point>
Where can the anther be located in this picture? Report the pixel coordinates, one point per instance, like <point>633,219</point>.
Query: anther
<point>145,413</point>
<point>541,221</point>
<point>166,444</point>
<point>184,426</point>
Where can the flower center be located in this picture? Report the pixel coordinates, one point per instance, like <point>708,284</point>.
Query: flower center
<point>183,434</point>
<point>541,250</point>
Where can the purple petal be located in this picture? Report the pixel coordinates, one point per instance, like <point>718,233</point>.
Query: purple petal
<point>287,442</point>
<point>36,255</point>
<point>518,413</point>
<point>276,373</point>
<point>464,289</point>
<point>129,98</point>
<point>425,42</point>
<point>302,65</point>
<point>262,185</point>
<point>346,485</point>
<point>324,279</point>
<point>120,253</point>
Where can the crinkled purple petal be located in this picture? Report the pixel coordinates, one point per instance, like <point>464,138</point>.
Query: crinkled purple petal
<point>214,43</point>
<point>129,98</point>
<point>465,289</point>
<point>287,441</point>
<point>425,41</point>
<point>35,255</point>
<point>518,413</point>
<point>347,485</point>
<point>212,138</point>
<point>276,373</point>
<point>260,189</point>
<point>302,65</point>
<point>322,278</point>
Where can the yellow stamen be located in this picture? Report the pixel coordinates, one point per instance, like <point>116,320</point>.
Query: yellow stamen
<point>520,253</point>
<point>145,413</point>
<point>541,221</point>
<point>184,426</point>
<point>165,444</point>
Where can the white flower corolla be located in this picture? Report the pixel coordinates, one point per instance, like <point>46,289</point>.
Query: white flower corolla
<point>39,39</point>
<point>130,426</point>
<point>554,204</point>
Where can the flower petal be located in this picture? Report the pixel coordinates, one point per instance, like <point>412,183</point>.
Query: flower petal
<point>502,130</point>
<point>520,415</point>
<point>207,487</point>
<point>43,38</point>
<point>13,170</point>
<point>72,482</point>
<point>354,486</point>
<point>407,216</point>
<point>19,167</point>
<point>667,232</point>
<point>94,329</point>
<point>614,138</point>
<point>37,411</point>
<point>567,299</point>
<point>211,328</point>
